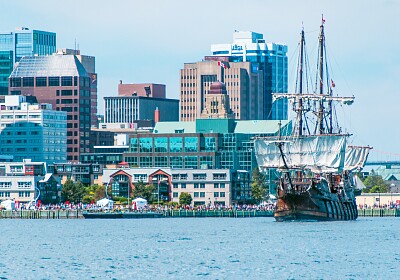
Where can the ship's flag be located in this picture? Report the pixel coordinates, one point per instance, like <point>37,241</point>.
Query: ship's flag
<point>333,83</point>
<point>323,20</point>
<point>221,64</point>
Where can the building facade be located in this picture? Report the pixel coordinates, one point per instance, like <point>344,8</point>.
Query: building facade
<point>243,85</point>
<point>206,186</point>
<point>22,42</point>
<point>87,174</point>
<point>131,109</point>
<point>28,181</point>
<point>144,90</point>
<point>269,58</point>
<point>33,131</point>
<point>60,80</point>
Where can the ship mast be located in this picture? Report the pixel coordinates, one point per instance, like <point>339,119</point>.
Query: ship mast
<point>301,65</point>
<point>321,77</point>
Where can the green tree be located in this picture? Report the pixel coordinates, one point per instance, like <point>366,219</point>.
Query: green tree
<point>144,191</point>
<point>259,187</point>
<point>375,184</point>
<point>72,192</point>
<point>185,199</point>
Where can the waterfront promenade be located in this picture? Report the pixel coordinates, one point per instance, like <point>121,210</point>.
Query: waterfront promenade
<point>170,213</point>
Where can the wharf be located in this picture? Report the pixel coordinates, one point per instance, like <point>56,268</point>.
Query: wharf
<point>175,213</point>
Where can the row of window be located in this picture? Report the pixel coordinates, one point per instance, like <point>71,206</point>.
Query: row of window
<point>201,194</point>
<point>48,81</point>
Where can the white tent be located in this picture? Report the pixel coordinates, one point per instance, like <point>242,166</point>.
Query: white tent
<point>8,204</point>
<point>139,203</point>
<point>105,203</point>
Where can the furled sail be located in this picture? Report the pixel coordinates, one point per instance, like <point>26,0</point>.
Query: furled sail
<point>322,153</point>
<point>356,157</point>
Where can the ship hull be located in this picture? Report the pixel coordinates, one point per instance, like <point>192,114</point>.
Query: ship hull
<point>292,207</point>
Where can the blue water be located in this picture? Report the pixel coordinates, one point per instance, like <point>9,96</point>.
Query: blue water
<point>200,248</point>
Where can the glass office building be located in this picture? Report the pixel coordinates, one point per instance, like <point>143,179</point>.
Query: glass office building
<point>271,58</point>
<point>22,42</point>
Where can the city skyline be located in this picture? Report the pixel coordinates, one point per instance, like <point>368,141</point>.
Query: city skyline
<point>149,42</point>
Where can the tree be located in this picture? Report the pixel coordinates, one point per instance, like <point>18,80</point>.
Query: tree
<point>259,187</point>
<point>144,191</point>
<point>375,184</point>
<point>185,199</point>
<point>72,192</point>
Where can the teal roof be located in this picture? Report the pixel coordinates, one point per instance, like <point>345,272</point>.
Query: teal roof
<point>225,126</point>
<point>46,66</point>
<point>173,127</point>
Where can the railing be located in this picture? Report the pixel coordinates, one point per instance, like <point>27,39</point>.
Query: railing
<point>378,212</point>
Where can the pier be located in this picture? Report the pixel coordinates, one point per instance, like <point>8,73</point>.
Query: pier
<point>175,213</point>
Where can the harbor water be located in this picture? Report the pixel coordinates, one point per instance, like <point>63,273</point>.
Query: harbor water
<point>199,248</point>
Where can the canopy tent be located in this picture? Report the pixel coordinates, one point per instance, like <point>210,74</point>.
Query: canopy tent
<point>105,203</point>
<point>8,204</point>
<point>139,203</point>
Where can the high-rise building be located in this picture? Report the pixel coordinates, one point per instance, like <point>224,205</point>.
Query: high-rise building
<point>243,85</point>
<point>62,81</point>
<point>268,58</point>
<point>32,131</point>
<point>22,42</point>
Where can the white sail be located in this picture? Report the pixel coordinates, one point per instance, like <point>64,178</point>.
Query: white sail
<point>355,157</point>
<point>323,153</point>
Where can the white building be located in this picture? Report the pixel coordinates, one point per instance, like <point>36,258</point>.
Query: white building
<point>206,186</point>
<point>27,181</point>
<point>32,131</point>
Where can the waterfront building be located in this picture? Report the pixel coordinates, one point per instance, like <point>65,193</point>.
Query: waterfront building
<point>270,59</point>
<point>61,80</point>
<point>22,42</point>
<point>28,181</point>
<point>206,186</point>
<point>33,131</point>
<point>87,174</point>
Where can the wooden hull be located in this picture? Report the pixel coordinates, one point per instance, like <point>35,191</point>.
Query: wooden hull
<point>308,207</point>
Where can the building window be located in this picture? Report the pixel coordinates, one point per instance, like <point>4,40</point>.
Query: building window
<point>175,194</point>
<point>196,185</point>
<point>175,144</point>
<point>27,82</point>
<point>41,81</point>
<point>145,145</point>
<point>202,185</point>
<point>176,162</point>
<point>201,176</point>
<point>161,144</point>
<point>190,161</point>
<point>202,194</point>
<point>145,161</point>
<point>221,194</point>
<point>66,81</point>
<point>222,186</point>
<point>219,176</point>
<point>191,144</point>
<point>216,194</point>
<point>196,194</point>
<point>183,186</point>
<point>216,185</point>
<point>161,161</point>
<point>175,186</point>
<point>54,81</point>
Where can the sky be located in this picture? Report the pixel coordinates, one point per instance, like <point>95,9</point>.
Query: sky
<point>149,42</point>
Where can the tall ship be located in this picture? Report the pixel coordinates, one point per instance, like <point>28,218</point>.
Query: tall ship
<point>316,164</point>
